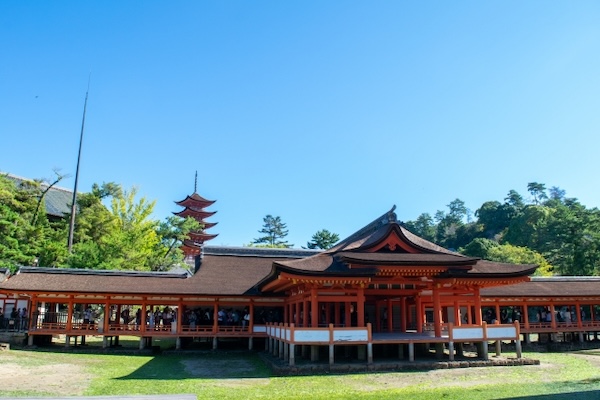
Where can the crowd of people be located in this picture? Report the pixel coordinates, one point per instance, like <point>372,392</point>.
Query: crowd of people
<point>15,321</point>
<point>194,317</point>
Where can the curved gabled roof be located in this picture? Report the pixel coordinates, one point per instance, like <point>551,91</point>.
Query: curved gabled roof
<point>385,243</point>
<point>379,230</point>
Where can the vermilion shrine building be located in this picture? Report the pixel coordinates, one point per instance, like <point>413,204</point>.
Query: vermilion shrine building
<point>381,286</point>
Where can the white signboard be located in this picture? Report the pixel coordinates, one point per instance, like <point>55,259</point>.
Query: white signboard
<point>467,333</point>
<point>259,329</point>
<point>311,336</point>
<point>501,332</point>
<point>350,336</point>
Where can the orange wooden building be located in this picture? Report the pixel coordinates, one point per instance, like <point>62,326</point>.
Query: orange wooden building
<point>382,286</point>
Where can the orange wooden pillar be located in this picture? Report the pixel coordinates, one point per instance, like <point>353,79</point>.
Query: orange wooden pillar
<point>578,314</point>
<point>419,312</point>
<point>347,315</point>
<point>378,316</point>
<point>437,311</point>
<point>525,315</point>
<point>70,306</point>
<point>403,314</point>
<point>142,326</point>
<point>215,317</point>
<point>498,312</point>
<point>251,312</point>
<point>314,308</point>
<point>305,312</point>
<point>478,316</point>
<point>179,317</point>
<point>360,307</point>
<point>457,316</point>
<point>553,315</point>
<point>390,315</point>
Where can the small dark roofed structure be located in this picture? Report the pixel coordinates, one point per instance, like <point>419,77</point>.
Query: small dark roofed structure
<point>57,200</point>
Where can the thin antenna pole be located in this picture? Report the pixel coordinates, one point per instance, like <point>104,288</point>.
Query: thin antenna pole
<point>196,182</point>
<point>74,203</point>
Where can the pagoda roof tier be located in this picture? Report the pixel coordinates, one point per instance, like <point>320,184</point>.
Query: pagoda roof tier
<point>196,214</point>
<point>208,225</point>
<point>189,250</point>
<point>193,244</point>
<point>201,236</point>
<point>195,201</point>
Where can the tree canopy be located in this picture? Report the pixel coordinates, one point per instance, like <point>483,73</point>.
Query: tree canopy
<point>323,239</point>
<point>552,230</point>
<point>274,231</point>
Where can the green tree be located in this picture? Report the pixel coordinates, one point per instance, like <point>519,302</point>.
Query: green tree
<point>449,223</point>
<point>423,227</point>
<point>124,236</point>
<point>172,233</point>
<point>274,230</point>
<point>538,191</point>
<point>489,250</point>
<point>479,247</point>
<point>573,238</point>
<point>323,239</point>
<point>22,234</point>
<point>528,229</point>
<point>514,199</point>
<point>494,218</point>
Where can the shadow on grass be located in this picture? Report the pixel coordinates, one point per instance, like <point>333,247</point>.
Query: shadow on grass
<point>581,395</point>
<point>202,365</point>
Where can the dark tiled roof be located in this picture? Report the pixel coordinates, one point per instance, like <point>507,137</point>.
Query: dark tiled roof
<point>223,271</point>
<point>485,267</point>
<point>57,200</point>
<point>35,279</point>
<point>557,286</point>
<point>266,252</point>
<point>230,275</point>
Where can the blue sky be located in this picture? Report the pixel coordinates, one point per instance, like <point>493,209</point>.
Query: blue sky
<point>325,113</point>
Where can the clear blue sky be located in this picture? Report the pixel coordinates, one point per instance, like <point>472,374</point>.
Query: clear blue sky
<point>325,113</point>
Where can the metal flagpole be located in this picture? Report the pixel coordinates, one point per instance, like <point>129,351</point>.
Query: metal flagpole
<point>74,203</point>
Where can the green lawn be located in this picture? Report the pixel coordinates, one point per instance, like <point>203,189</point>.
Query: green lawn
<point>242,375</point>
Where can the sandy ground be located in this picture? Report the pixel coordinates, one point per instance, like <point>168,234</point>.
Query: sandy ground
<point>67,379</point>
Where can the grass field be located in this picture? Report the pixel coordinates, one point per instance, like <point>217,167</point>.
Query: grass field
<point>243,375</point>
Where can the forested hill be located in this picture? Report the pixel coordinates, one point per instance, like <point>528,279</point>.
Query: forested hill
<point>552,230</point>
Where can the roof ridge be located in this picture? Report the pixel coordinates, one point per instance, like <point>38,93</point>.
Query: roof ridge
<point>386,218</point>
<point>77,271</point>
<point>259,251</point>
